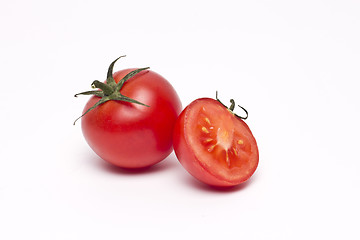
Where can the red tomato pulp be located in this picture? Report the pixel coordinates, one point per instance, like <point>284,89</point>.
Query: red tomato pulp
<point>131,135</point>
<point>214,145</point>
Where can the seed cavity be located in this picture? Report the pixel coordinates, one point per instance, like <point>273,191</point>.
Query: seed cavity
<point>235,152</point>
<point>205,130</point>
<point>227,158</point>
<point>211,148</point>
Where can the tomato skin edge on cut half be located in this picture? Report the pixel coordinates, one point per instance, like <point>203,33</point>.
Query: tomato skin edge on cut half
<point>213,145</point>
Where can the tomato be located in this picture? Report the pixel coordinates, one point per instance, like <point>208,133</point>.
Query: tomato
<point>131,135</point>
<point>214,145</point>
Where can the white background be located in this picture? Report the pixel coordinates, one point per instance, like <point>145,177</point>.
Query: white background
<point>294,65</point>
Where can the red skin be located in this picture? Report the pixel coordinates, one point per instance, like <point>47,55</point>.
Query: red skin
<point>191,147</point>
<point>131,135</point>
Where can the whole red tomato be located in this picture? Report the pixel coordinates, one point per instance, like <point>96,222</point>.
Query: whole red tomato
<point>134,128</point>
<point>214,145</point>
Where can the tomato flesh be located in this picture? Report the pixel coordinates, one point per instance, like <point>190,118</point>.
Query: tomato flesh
<point>213,145</point>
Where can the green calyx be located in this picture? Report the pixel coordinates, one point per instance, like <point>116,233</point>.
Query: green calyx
<point>110,90</point>
<point>232,107</point>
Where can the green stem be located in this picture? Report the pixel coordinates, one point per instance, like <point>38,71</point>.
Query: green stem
<point>232,107</point>
<point>107,90</point>
<point>109,77</point>
<point>101,101</point>
<point>98,93</point>
<point>110,90</point>
<point>127,77</point>
<point>127,99</point>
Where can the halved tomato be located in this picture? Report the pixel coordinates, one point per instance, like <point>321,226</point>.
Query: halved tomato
<point>214,145</point>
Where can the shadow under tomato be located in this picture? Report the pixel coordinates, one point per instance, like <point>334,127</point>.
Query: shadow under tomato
<point>166,164</point>
<point>207,188</point>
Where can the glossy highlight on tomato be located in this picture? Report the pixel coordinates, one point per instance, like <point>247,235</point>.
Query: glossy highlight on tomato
<point>131,135</point>
<point>214,145</point>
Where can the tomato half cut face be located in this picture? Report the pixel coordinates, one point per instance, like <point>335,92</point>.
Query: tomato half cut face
<point>214,145</point>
